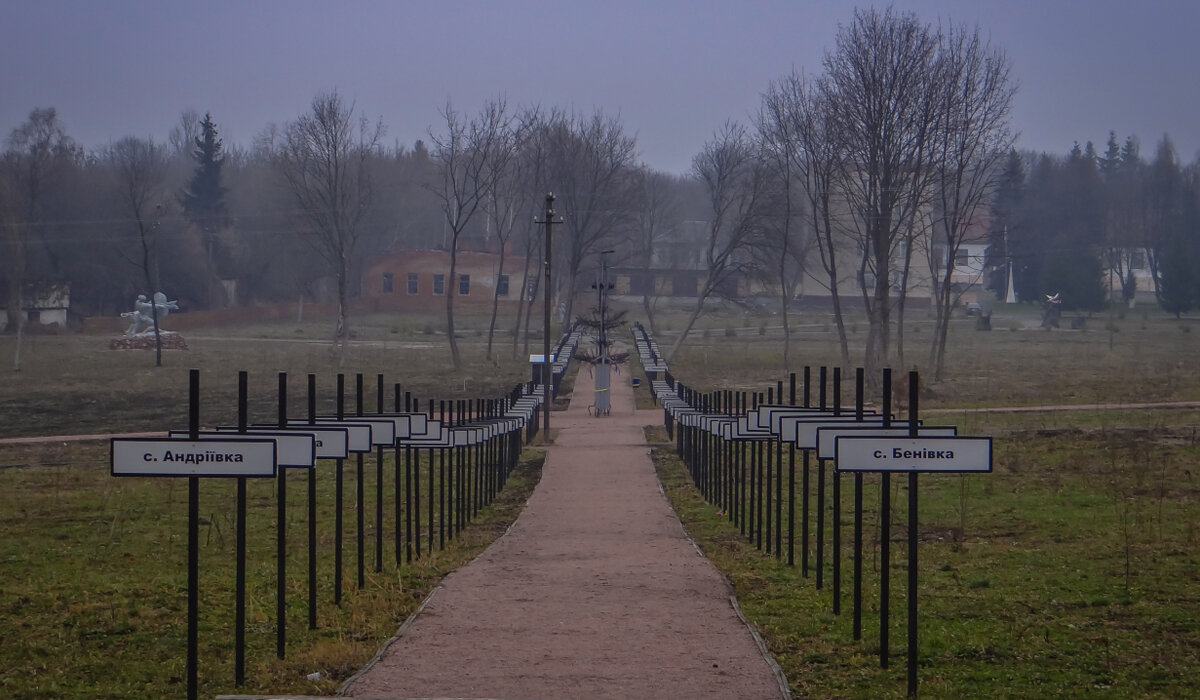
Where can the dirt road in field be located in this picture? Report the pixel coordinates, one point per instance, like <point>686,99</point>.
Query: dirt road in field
<point>595,592</point>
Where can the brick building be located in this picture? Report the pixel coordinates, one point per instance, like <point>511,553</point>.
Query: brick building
<point>418,280</point>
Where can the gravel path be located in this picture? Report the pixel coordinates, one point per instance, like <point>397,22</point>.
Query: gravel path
<point>595,592</point>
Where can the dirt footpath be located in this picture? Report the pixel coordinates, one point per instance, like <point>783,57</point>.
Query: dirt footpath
<point>595,592</point>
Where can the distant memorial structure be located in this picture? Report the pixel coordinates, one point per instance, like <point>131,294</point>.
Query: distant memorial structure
<point>140,333</point>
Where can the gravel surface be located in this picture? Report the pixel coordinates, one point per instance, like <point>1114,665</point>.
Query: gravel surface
<point>595,591</point>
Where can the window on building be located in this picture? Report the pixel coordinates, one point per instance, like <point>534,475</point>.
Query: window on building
<point>502,286</point>
<point>962,259</point>
<point>413,287</point>
<point>1137,261</point>
<point>439,284</point>
<point>387,283</point>
<point>464,285</point>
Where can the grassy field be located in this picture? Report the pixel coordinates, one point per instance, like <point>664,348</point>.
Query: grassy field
<point>73,384</point>
<point>94,588</point>
<point>1071,570</point>
<point>92,569</point>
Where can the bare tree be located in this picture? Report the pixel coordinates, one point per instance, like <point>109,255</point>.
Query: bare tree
<point>37,155</point>
<point>817,161</point>
<point>464,155</point>
<point>532,186</point>
<point>787,243</point>
<point>969,149</point>
<point>588,166</point>
<point>323,159</point>
<point>657,209</point>
<point>735,178</point>
<point>506,200</point>
<point>878,88</point>
<point>140,167</point>
<point>12,243</point>
<point>184,134</point>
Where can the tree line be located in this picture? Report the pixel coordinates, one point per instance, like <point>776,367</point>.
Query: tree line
<point>864,180</point>
<point>1084,226</point>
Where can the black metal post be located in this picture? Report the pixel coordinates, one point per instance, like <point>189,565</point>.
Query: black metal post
<point>337,498</point>
<point>358,489</point>
<point>239,615</point>
<point>913,430</point>
<point>396,480</point>
<point>792,480</point>
<point>859,388</point>
<point>379,483</point>
<point>281,537</point>
<point>312,513</point>
<point>822,387</point>
<point>193,556</point>
<point>837,504</point>
<point>804,500</point>
<point>885,531</point>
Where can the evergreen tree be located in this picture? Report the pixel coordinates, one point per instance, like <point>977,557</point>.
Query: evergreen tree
<point>1179,265</point>
<point>1131,153</point>
<point>1077,276</point>
<point>1178,280</point>
<point>1007,206</point>
<point>1111,162</point>
<point>1163,205</point>
<point>1036,226</point>
<point>203,200</point>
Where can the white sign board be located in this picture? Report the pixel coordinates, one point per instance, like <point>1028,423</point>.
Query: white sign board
<point>919,454</point>
<point>358,435</point>
<point>803,430</point>
<point>292,449</point>
<point>331,442</point>
<point>183,457</point>
<point>383,430</point>
<point>827,436</point>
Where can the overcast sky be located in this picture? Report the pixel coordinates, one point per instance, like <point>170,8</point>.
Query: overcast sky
<point>674,70</point>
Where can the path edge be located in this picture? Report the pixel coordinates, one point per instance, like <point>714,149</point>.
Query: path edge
<point>776,670</point>
<point>341,692</point>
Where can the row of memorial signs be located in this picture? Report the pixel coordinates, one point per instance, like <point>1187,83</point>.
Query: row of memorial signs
<point>858,441</point>
<point>648,352</point>
<point>866,444</point>
<point>256,451</point>
<point>261,450</point>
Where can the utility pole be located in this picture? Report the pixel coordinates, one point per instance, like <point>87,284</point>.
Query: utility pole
<point>548,221</point>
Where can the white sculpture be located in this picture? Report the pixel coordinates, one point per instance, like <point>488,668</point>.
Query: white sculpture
<point>143,313</point>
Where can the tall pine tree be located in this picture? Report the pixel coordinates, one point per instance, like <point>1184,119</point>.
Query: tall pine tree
<point>1007,203</point>
<point>203,200</point>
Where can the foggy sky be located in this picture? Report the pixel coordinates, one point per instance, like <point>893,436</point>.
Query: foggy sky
<point>673,70</point>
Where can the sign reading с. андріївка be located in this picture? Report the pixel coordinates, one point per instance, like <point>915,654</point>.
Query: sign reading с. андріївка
<point>183,457</point>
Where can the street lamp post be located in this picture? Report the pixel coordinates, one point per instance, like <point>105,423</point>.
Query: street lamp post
<point>548,221</point>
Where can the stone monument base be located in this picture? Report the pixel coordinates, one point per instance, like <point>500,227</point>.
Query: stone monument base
<point>170,341</point>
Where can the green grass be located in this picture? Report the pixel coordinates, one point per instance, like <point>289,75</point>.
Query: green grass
<point>93,586</point>
<point>1074,574</point>
<point>76,385</point>
<point>1071,570</point>
<point>1068,571</point>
